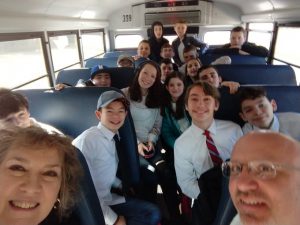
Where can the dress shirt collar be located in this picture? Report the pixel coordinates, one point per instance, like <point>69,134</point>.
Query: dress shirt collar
<point>274,125</point>
<point>212,128</point>
<point>107,133</point>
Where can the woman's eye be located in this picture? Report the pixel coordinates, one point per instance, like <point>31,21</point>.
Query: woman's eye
<point>17,168</point>
<point>51,174</point>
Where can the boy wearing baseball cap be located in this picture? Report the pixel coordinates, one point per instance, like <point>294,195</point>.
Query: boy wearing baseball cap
<point>99,145</point>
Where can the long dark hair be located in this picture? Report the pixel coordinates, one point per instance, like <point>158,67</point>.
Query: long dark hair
<point>153,98</point>
<point>180,109</point>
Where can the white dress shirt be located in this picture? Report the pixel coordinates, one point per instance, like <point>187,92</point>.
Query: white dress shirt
<point>236,220</point>
<point>98,147</point>
<point>192,156</point>
<point>287,123</point>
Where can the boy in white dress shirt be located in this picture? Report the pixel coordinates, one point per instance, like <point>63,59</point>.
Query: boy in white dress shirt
<point>98,146</point>
<point>192,156</point>
<point>258,113</point>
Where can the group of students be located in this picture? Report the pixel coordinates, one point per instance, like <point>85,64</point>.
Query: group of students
<point>175,115</point>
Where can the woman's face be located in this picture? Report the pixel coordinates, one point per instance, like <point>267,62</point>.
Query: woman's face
<point>192,67</point>
<point>30,181</point>
<point>147,76</point>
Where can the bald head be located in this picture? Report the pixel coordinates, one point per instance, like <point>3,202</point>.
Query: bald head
<point>267,145</point>
<point>260,195</point>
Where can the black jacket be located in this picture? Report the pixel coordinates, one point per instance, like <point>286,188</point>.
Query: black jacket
<point>248,47</point>
<point>187,41</point>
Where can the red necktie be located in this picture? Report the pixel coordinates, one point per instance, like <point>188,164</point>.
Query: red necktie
<point>213,151</point>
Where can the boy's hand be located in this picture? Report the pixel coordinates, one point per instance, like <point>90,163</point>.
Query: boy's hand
<point>120,221</point>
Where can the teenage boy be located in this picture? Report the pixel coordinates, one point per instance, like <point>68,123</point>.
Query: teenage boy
<point>258,113</point>
<point>125,61</point>
<point>100,77</point>
<point>239,45</point>
<point>14,111</point>
<point>166,51</point>
<point>206,143</point>
<point>210,74</point>
<point>183,41</point>
<point>98,145</point>
<point>166,67</point>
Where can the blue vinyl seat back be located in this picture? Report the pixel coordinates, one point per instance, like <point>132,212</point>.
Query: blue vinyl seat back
<point>121,77</point>
<point>71,76</point>
<point>118,53</point>
<point>87,210</point>
<point>208,58</point>
<point>258,74</point>
<point>72,111</point>
<point>287,98</point>
<point>107,61</point>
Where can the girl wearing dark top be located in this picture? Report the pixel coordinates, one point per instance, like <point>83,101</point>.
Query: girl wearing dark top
<point>156,40</point>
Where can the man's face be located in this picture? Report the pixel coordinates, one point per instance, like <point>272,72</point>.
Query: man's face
<point>19,119</point>
<point>258,111</point>
<point>237,39</point>
<point>201,107</point>
<point>272,201</point>
<point>112,116</point>
<point>102,80</point>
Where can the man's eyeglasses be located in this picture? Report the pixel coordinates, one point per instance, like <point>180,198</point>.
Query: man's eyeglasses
<point>261,169</point>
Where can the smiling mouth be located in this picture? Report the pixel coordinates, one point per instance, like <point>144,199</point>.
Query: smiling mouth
<point>23,205</point>
<point>251,203</point>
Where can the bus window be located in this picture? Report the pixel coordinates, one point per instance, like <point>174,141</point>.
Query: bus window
<point>92,44</point>
<point>22,61</point>
<point>64,50</point>
<point>127,41</point>
<point>287,47</point>
<point>217,37</point>
<point>170,38</point>
<point>261,33</point>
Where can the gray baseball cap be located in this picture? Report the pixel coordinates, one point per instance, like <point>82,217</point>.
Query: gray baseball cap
<point>108,97</point>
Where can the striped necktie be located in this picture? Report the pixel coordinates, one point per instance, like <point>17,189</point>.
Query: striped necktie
<point>213,151</point>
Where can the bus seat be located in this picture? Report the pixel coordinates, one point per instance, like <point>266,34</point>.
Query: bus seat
<point>72,111</point>
<point>118,53</point>
<point>109,62</point>
<point>87,210</point>
<point>121,77</point>
<point>226,210</point>
<point>287,98</point>
<point>258,74</point>
<point>71,76</point>
<point>208,58</point>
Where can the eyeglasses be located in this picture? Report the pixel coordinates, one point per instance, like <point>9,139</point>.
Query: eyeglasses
<point>260,169</point>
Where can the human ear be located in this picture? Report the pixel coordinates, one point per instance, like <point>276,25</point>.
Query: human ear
<point>98,114</point>
<point>274,105</point>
